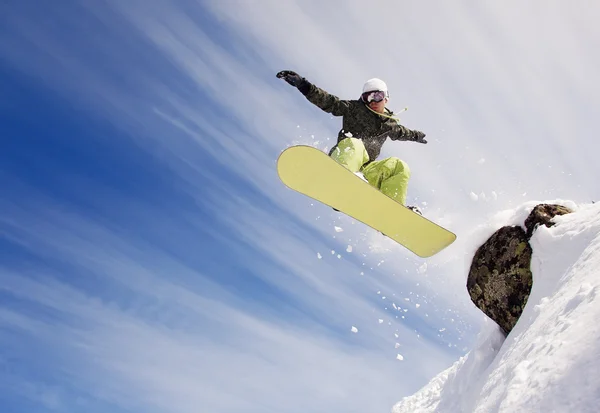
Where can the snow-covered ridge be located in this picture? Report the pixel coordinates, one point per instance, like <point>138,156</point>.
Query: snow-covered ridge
<point>550,362</point>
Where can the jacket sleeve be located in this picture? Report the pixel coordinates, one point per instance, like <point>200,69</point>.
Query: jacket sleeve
<point>326,101</point>
<point>402,133</point>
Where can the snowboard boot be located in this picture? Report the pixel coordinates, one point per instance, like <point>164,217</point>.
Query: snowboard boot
<point>415,209</point>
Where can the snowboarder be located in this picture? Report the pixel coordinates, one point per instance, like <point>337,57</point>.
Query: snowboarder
<point>366,124</point>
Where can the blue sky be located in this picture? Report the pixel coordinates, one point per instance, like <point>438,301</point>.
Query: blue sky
<point>151,260</point>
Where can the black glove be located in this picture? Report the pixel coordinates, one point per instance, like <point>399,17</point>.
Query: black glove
<point>419,136</point>
<point>292,78</point>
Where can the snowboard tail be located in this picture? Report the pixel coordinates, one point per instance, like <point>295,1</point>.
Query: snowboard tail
<point>311,172</point>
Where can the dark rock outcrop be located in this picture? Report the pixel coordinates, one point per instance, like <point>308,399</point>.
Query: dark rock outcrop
<point>500,278</point>
<point>542,214</point>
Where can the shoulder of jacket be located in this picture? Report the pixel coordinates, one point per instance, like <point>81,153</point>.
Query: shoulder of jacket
<point>355,105</point>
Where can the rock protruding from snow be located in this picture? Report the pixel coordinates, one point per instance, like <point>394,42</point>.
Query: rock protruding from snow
<point>499,280</point>
<point>543,214</point>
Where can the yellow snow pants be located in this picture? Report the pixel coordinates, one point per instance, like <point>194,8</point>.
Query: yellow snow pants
<point>389,175</point>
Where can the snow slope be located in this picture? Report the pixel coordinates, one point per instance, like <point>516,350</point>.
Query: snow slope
<point>550,362</point>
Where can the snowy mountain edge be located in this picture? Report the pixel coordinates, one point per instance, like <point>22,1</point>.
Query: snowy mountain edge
<point>550,361</point>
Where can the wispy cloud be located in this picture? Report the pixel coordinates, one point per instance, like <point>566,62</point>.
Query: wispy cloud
<point>121,314</point>
<point>141,333</point>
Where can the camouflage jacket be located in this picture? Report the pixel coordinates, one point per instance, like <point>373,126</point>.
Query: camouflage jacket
<point>359,120</point>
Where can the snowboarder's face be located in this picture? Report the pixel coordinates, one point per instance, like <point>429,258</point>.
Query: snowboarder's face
<point>378,106</point>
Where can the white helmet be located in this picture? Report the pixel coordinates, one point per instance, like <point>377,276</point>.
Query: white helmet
<point>375,84</point>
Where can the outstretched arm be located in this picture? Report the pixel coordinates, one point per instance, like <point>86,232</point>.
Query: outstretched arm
<point>402,133</point>
<point>318,97</point>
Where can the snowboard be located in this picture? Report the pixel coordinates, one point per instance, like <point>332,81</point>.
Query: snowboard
<point>313,173</point>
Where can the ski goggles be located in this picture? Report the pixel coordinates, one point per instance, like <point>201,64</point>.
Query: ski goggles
<point>373,96</point>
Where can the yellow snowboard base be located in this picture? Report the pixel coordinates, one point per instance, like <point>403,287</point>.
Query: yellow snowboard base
<point>311,172</point>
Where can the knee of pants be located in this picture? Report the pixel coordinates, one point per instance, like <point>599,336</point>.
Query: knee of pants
<point>399,167</point>
<point>351,153</point>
